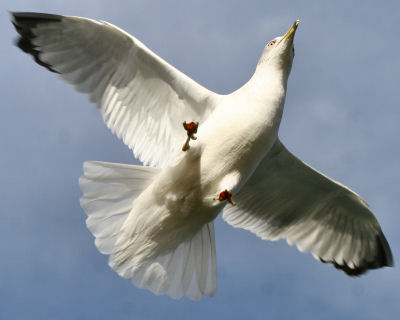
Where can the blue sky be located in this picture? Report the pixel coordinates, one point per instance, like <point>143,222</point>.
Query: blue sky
<point>341,117</point>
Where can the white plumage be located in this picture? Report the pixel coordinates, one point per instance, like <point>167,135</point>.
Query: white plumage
<point>156,221</point>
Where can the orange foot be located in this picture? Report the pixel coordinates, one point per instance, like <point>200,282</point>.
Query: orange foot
<point>191,129</point>
<point>225,195</point>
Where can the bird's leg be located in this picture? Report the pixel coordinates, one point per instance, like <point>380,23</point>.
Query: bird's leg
<point>191,129</point>
<point>225,195</point>
<point>186,144</point>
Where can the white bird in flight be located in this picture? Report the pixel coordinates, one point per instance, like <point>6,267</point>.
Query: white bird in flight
<point>156,221</point>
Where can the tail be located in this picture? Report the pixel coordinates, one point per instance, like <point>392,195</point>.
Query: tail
<point>110,190</point>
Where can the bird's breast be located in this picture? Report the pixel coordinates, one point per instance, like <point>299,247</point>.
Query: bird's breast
<point>235,139</point>
<point>229,147</point>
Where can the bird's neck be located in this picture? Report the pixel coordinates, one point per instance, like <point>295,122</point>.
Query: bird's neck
<point>267,91</point>
<point>268,84</point>
<point>267,75</point>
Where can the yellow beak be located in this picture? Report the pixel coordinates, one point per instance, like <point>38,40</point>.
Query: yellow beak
<point>291,31</point>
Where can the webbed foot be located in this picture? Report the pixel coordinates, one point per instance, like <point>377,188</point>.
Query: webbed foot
<point>191,129</point>
<point>225,195</point>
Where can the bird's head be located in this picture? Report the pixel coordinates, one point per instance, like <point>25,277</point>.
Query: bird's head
<point>279,53</point>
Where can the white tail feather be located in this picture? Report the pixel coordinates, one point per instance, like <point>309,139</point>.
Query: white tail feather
<point>109,191</point>
<point>187,268</point>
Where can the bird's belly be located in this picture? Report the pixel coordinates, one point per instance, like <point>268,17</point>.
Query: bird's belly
<point>181,190</point>
<point>230,158</point>
<point>222,158</point>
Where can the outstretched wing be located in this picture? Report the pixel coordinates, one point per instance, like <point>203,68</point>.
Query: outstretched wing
<point>285,198</point>
<point>142,98</point>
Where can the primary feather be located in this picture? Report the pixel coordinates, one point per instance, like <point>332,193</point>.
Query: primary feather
<point>157,223</point>
<point>141,97</point>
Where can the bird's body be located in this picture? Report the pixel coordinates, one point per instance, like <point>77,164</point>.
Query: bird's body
<point>245,136</point>
<point>156,222</point>
<point>181,196</point>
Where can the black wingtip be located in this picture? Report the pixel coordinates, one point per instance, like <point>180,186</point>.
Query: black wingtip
<point>383,258</point>
<point>385,252</point>
<point>35,17</point>
<point>24,22</point>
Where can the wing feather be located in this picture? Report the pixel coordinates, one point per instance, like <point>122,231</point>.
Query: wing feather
<point>286,198</point>
<point>143,99</point>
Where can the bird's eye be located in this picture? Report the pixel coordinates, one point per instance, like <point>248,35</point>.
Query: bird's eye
<point>271,43</point>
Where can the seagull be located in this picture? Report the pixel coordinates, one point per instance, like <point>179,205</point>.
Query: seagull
<point>156,221</point>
